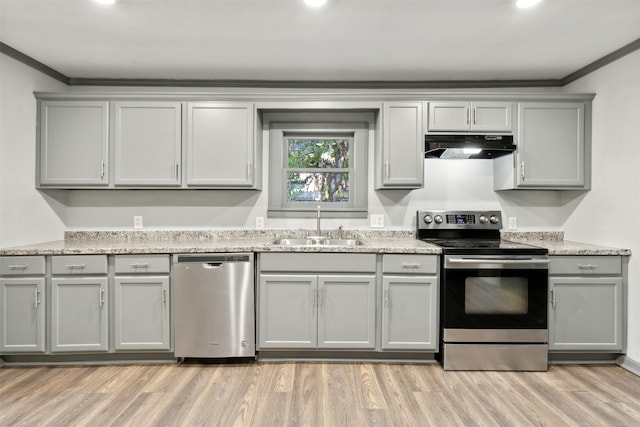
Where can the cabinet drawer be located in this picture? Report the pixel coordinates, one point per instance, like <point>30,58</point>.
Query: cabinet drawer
<point>416,264</point>
<point>79,264</point>
<point>318,262</point>
<point>585,265</point>
<point>22,265</point>
<point>129,264</point>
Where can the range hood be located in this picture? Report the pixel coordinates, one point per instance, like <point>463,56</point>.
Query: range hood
<point>468,146</point>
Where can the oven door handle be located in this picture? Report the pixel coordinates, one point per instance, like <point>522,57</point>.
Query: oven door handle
<point>496,262</point>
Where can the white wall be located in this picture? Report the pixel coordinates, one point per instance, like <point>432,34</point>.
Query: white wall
<point>25,214</point>
<point>608,213</point>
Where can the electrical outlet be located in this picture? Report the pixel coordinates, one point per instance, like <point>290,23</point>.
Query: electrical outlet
<point>137,221</point>
<point>377,221</point>
<point>259,222</point>
<point>513,223</point>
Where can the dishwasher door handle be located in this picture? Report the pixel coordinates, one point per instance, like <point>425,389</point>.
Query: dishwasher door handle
<point>212,265</point>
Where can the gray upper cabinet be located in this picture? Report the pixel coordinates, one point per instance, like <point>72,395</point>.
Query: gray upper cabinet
<point>400,159</point>
<point>148,142</point>
<point>466,116</point>
<point>552,148</point>
<point>220,145</point>
<point>550,145</point>
<point>74,143</point>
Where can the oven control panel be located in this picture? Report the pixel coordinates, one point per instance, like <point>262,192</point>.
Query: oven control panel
<point>456,220</point>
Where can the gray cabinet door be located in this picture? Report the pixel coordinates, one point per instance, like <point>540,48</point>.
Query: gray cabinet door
<point>465,116</point>
<point>585,313</point>
<point>22,310</point>
<point>402,146</point>
<point>148,141</point>
<point>346,311</point>
<point>79,314</point>
<point>410,313</point>
<point>550,145</point>
<point>490,116</point>
<point>287,311</point>
<point>141,310</point>
<point>449,116</point>
<point>220,145</point>
<point>74,140</point>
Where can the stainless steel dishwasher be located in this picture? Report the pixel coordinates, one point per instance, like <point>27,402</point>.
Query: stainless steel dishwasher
<point>214,314</point>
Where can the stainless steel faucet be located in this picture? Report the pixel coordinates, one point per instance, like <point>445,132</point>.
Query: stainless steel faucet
<point>318,231</point>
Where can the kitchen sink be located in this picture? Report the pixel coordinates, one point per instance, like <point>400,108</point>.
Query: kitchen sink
<point>315,241</point>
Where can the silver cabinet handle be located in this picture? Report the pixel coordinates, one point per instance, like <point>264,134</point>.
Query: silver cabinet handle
<point>522,170</point>
<point>410,265</point>
<point>177,171</point>
<point>101,297</point>
<point>386,297</point>
<point>321,297</point>
<point>164,296</point>
<point>587,266</point>
<point>553,297</point>
<point>18,266</point>
<point>140,265</point>
<point>475,121</point>
<point>37,297</point>
<point>102,167</point>
<point>468,115</point>
<point>386,169</point>
<point>76,266</point>
<point>249,170</point>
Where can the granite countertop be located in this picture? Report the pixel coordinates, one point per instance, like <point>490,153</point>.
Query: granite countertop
<point>386,241</point>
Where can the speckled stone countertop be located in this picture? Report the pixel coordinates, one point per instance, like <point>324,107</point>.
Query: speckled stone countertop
<point>156,242</point>
<point>199,241</point>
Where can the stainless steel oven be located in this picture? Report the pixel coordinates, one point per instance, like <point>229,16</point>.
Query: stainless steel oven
<point>493,294</point>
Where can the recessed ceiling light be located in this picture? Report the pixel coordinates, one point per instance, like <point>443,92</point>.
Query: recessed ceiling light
<point>523,4</point>
<point>315,3</point>
<point>106,1</point>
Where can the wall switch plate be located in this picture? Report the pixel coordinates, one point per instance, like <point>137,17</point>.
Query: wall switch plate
<point>137,221</point>
<point>513,223</point>
<point>259,222</point>
<point>376,221</point>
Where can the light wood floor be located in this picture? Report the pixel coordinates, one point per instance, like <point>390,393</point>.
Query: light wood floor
<point>316,394</point>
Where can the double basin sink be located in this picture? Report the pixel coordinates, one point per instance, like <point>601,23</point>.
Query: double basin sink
<point>315,241</point>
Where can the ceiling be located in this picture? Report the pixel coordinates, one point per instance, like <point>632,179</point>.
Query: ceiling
<point>344,40</point>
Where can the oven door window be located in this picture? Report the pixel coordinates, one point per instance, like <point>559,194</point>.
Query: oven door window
<point>496,295</point>
<point>494,299</point>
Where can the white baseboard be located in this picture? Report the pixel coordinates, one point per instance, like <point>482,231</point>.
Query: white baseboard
<point>629,364</point>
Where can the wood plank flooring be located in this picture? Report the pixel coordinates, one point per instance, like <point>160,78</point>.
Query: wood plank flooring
<point>316,394</point>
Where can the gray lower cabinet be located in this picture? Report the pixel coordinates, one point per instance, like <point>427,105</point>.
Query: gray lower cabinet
<point>22,304</point>
<point>317,311</point>
<point>299,308</point>
<point>141,310</point>
<point>410,302</point>
<point>79,303</point>
<point>74,143</point>
<point>586,304</point>
<point>79,314</point>
<point>141,305</point>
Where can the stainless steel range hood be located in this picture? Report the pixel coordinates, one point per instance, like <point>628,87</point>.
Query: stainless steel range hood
<point>468,146</point>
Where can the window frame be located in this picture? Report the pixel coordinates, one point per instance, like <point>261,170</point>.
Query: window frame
<point>279,207</point>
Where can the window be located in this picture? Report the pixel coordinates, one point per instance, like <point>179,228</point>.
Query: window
<point>318,164</point>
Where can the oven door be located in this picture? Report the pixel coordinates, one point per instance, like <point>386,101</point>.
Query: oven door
<point>494,292</point>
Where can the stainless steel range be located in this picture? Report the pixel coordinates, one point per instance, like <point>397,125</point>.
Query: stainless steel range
<point>493,293</point>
